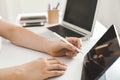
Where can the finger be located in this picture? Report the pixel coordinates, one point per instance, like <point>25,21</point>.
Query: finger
<point>80,42</point>
<point>75,54</point>
<point>56,62</point>
<point>57,67</point>
<point>56,73</point>
<point>68,47</point>
<point>51,58</point>
<point>71,54</point>
<point>75,41</point>
<point>72,39</point>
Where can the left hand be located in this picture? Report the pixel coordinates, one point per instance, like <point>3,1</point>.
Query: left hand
<point>60,48</point>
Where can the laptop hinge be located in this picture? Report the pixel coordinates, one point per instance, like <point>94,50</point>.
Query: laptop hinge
<point>79,32</point>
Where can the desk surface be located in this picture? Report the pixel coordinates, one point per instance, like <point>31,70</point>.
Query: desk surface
<point>11,55</point>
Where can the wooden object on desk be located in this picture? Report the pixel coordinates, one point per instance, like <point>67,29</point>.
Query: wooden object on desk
<point>53,16</point>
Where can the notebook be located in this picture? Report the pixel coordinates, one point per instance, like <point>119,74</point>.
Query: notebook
<point>79,19</point>
<point>104,53</point>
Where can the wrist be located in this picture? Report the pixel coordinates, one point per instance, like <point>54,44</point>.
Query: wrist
<point>12,73</point>
<point>49,47</point>
<point>53,48</point>
<point>19,73</point>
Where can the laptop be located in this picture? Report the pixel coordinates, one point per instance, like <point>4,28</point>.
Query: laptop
<point>78,20</point>
<point>104,53</point>
<point>118,29</point>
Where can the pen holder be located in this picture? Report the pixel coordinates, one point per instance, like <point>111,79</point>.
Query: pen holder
<point>53,16</point>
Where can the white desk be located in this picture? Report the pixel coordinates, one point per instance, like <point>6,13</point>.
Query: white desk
<point>11,55</point>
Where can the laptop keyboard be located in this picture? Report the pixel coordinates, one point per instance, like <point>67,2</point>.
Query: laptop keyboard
<point>64,31</point>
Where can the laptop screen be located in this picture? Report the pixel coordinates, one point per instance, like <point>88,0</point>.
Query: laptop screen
<point>101,56</point>
<point>80,13</point>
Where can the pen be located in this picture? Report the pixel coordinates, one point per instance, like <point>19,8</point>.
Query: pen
<point>49,6</point>
<point>57,6</point>
<point>78,50</point>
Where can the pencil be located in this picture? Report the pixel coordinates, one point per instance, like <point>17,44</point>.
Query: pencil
<point>78,50</point>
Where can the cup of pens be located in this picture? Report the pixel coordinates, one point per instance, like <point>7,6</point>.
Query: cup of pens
<point>53,15</point>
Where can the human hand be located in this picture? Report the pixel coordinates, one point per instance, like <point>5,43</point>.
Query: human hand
<point>42,68</point>
<point>60,48</point>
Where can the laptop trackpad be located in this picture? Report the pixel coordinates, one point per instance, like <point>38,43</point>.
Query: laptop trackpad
<point>64,31</point>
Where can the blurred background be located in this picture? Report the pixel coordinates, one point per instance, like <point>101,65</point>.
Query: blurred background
<point>109,12</point>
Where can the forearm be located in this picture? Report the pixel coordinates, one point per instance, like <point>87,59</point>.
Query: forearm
<point>23,37</point>
<point>10,74</point>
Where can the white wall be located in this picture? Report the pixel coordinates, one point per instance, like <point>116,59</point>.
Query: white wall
<point>36,5</point>
<point>109,10</point>
<point>15,7</point>
<point>3,9</point>
<point>9,9</point>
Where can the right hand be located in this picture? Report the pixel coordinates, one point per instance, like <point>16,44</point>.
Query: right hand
<point>61,48</point>
<point>42,68</point>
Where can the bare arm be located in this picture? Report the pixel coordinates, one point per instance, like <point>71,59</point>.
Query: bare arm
<point>23,37</point>
<point>10,74</point>
<point>39,69</point>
